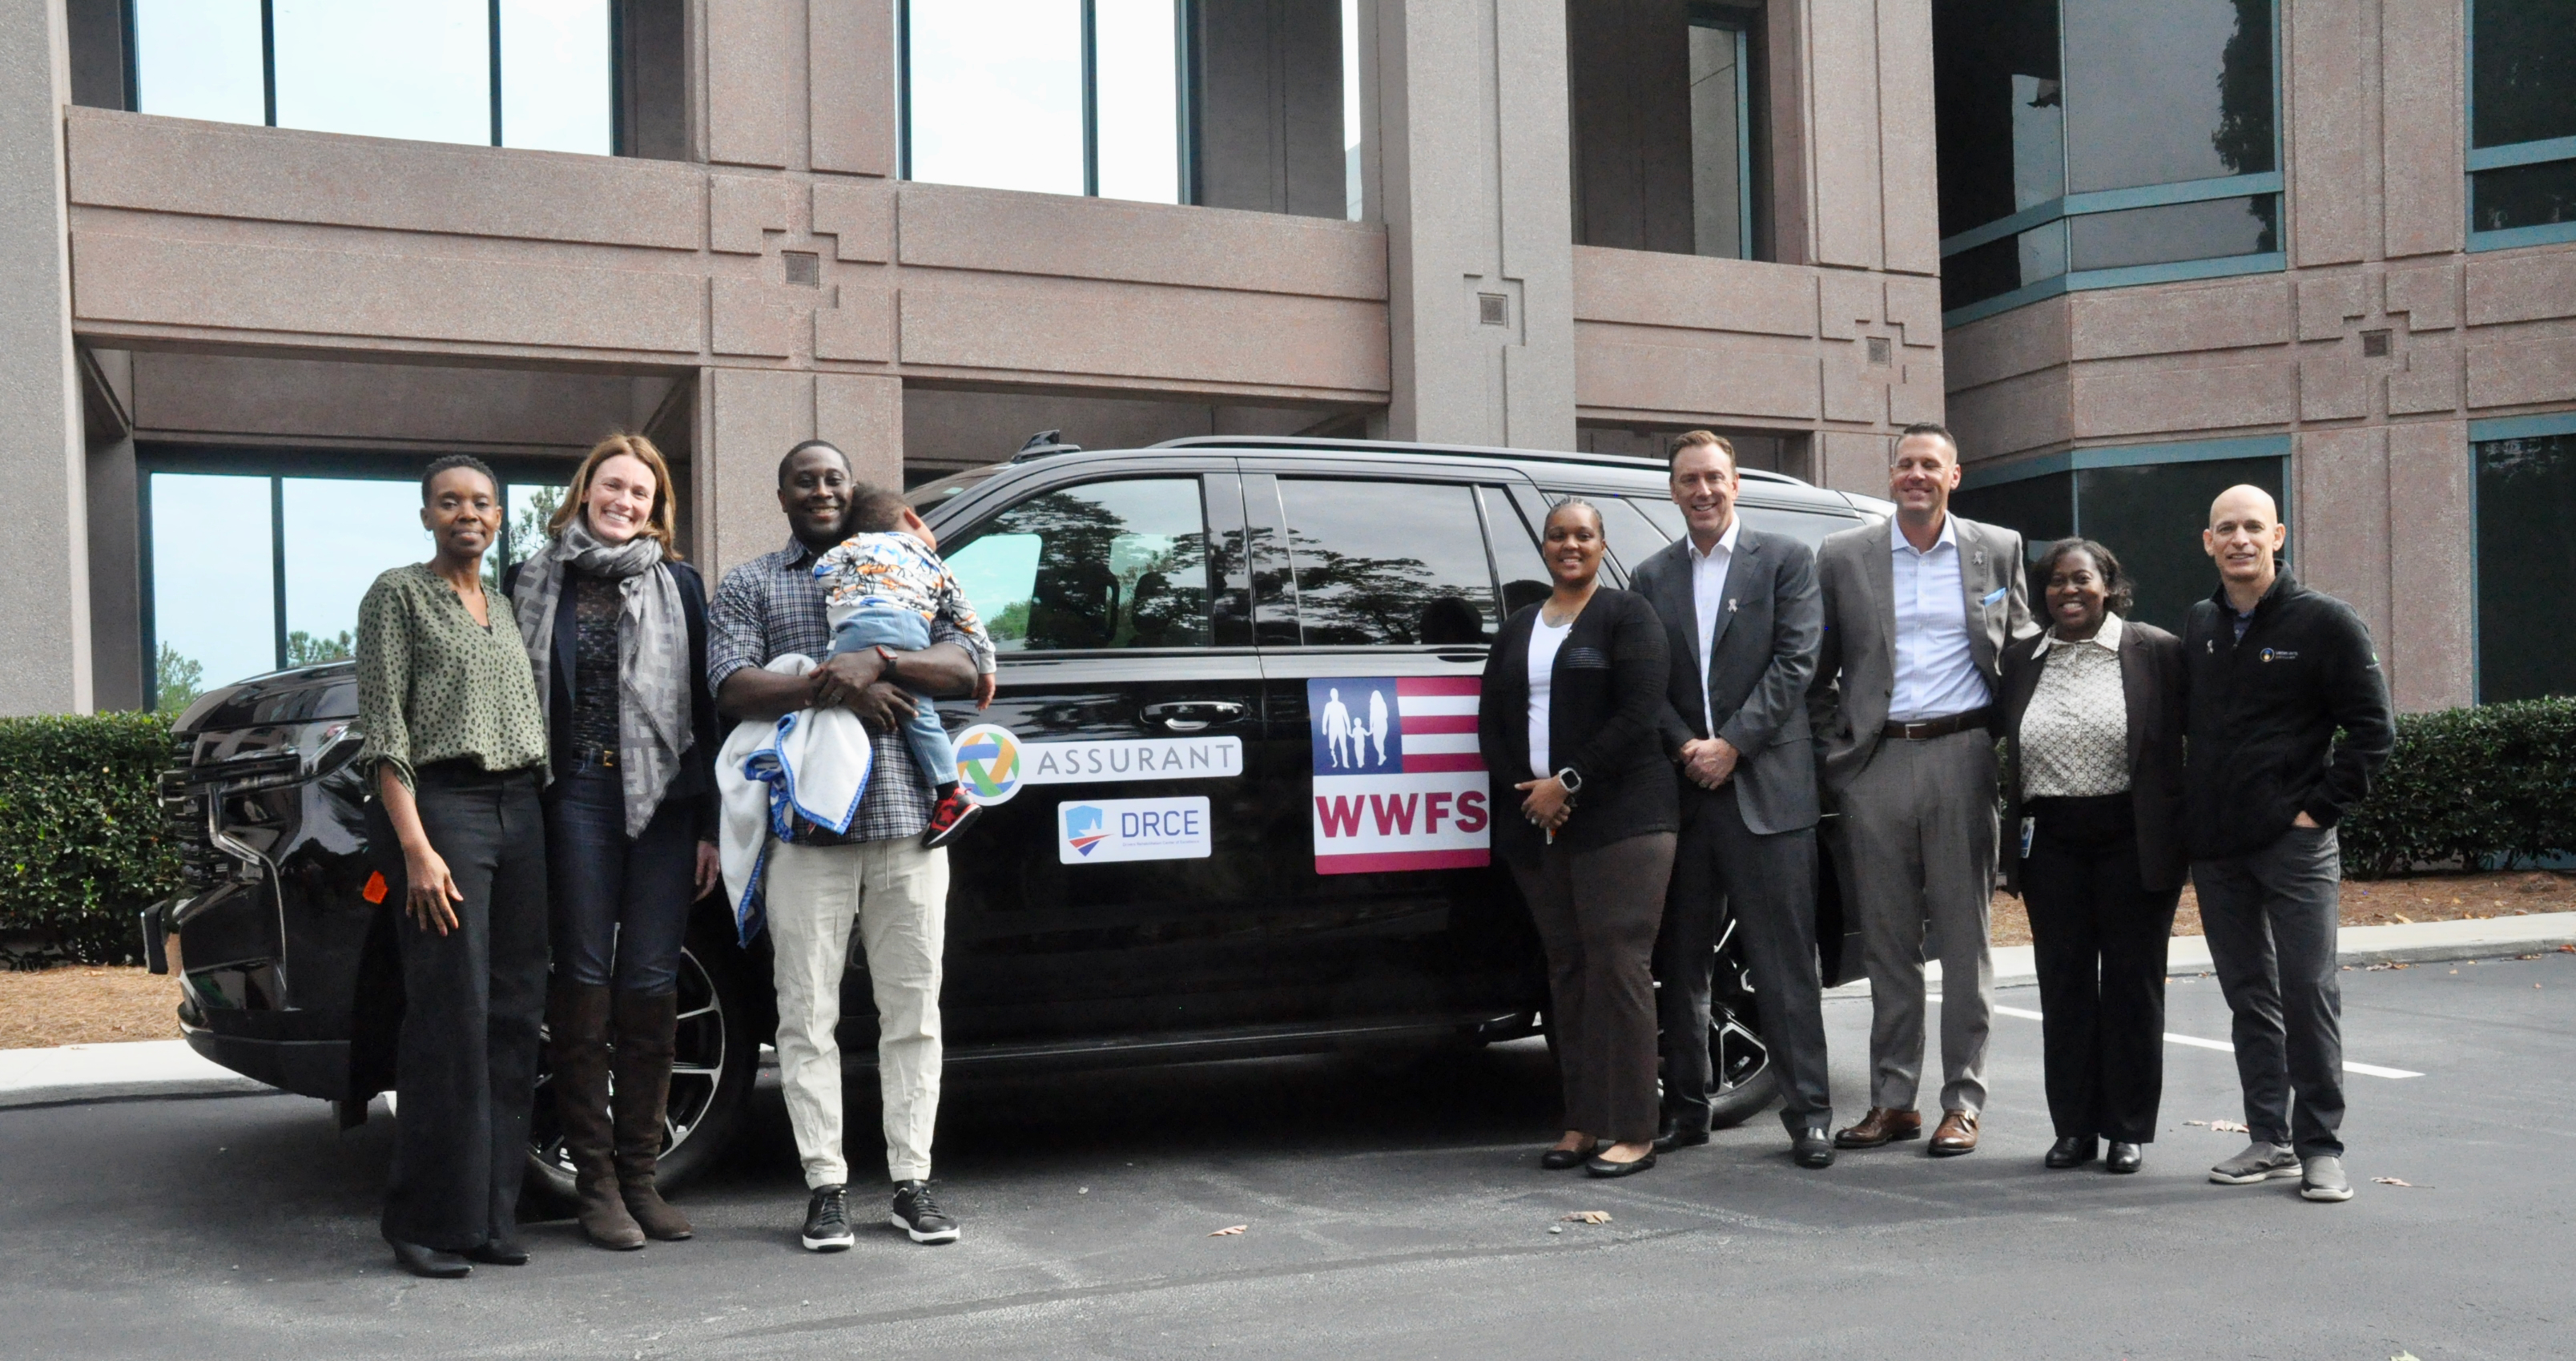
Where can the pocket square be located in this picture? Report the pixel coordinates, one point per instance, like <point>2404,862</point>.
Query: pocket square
<point>1994,596</point>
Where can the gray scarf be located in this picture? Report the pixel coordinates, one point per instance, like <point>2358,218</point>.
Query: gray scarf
<point>653,726</point>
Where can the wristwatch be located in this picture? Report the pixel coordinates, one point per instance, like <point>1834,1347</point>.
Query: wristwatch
<point>1571,779</point>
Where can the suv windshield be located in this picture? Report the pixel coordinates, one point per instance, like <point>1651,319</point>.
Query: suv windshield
<point>930,494</point>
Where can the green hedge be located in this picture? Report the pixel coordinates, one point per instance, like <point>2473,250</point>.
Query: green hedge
<point>2484,788</point>
<point>81,849</point>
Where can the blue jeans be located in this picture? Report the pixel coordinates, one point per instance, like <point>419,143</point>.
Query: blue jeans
<point>904,631</point>
<point>620,906</point>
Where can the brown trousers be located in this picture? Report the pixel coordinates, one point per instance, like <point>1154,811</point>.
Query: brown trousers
<point>1597,913</point>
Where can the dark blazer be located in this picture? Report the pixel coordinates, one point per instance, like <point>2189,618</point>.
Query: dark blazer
<point>694,785</point>
<point>2151,680</point>
<point>1856,670</point>
<point>1770,623</point>
<point>1603,694</point>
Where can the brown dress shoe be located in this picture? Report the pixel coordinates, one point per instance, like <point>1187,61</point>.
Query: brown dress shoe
<point>1957,1135</point>
<point>1883,1124</point>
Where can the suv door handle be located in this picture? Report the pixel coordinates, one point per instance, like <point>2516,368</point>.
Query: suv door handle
<point>1193,715</point>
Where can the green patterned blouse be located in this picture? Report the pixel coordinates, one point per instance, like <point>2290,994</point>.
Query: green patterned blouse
<point>433,685</point>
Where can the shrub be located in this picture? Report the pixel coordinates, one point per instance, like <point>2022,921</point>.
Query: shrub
<point>2483,788</point>
<point>81,845</point>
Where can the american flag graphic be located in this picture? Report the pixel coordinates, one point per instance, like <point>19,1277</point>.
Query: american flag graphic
<point>1436,716</point>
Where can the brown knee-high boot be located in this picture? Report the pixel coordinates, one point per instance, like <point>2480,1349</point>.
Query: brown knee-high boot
<point>577,1051</point>
<point>645,1022</point>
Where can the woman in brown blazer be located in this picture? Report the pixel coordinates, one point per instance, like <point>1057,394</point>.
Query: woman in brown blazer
<point>2092,715</point>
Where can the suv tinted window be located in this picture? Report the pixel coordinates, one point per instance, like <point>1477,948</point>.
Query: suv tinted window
<point>1525,579</point>
<point>1103,565</point>
<point>1806,526</point>
<point>1388,563</point>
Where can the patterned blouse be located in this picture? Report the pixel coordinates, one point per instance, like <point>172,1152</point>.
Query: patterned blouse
<point>2075,734</point>
<point>433,685</point>
<point>597,604</point>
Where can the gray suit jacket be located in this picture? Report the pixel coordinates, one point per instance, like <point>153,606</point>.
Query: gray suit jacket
<point>1856,673</point>
<point>1768,627</point>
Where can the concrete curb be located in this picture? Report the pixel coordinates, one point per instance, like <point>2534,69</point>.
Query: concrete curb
<point>2418,942</point>
<point>75,1073</point>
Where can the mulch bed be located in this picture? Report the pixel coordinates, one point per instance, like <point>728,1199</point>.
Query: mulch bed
<point>2381,902</point>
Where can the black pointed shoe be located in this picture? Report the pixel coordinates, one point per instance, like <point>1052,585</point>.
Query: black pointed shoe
<point>2072,1152</point>
<point>2124,1158</point>
<point>436,1263</point>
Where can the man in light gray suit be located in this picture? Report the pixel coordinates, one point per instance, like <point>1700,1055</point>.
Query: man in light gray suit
<point>1742,624</point>
<point>1918,611</point>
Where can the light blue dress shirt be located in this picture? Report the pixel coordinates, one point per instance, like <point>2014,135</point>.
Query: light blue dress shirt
<point>1936,674</point>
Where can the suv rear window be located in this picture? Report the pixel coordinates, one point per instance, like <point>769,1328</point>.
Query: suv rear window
<point>1104,565</point>
<point>1382,564</point>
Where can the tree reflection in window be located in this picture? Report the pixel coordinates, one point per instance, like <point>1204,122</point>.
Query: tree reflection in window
<point>1381,564</point>
<point>1107,565</point>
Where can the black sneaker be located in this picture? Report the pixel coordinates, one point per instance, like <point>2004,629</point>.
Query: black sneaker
<point>827,1220</point>
<point>951,818</point>
<point>917,1214</point>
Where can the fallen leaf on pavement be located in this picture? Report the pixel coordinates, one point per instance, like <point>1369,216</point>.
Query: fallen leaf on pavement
<point>2227,1127</point>
<point>1230,1231</point>
<point>2392,1181</point>
<point>1588,1217</point>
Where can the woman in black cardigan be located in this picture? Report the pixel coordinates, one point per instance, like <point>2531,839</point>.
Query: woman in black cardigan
<point>2092,713</point>
<point>1568,719</point>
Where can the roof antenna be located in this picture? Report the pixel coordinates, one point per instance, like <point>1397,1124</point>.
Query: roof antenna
<point>1043,443</point>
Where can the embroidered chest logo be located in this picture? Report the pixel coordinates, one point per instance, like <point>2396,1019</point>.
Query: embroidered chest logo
<point>2279,655</point>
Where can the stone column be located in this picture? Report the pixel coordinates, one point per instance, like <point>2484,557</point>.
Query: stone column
<point>749,419</point>
<point>44,558</point>
<point>1474,186</point>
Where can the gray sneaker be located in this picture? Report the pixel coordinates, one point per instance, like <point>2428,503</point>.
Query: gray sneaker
<point>2259,1162</point>
<point>2322,1179</point>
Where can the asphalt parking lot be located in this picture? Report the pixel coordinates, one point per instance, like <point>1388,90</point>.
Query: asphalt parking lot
<point>1397,1215</point>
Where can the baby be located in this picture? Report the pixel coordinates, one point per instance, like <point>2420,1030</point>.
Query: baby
<point>886,586</point>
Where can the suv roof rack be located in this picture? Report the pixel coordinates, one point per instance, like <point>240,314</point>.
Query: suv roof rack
<point>1472,450</point>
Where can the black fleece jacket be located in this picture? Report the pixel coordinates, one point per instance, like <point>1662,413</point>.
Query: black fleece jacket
<point>2264,713</point>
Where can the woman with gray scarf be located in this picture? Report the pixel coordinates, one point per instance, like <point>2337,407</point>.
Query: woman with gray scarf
<point>616,627</point>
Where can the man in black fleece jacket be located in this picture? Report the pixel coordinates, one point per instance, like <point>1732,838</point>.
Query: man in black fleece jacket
<point>2288,720</point>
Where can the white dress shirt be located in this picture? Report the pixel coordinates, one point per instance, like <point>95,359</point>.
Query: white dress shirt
<point>1936,673</point>
<point>1708,597</point>
<point>2075,734</point>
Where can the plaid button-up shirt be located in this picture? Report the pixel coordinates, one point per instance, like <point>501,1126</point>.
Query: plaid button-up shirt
<point>771,606</point>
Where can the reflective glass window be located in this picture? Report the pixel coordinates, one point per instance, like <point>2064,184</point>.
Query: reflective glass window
<point>1388,563</point>
<point>1808,527</point>
<point>1105,565</point>
<point>2151,516</point>
<point>2208,230</point>
<point>200,59</point>
<point>1524,573</point>
<point>214,584</point>
<point>995,91</point>
<point>2000,109</point>
<point>1663,98</point>
<point>1136,45</point>
<point>1354,196</point>
<point>1720,166</point>
<point>2526,495</point>
<point>555,79</point>
<point>2523,196</point>
<point>337,536</point>
<point>419,69</point>
<point>2165,92</point>
<point>2522,72</point>
<point>1667,516</point>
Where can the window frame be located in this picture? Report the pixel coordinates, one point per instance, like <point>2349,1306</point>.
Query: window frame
<point>980,522</point>
<point>2508,156</point>
<point>492,40</point>
<point>1729,19</point>
<point>2087,203</point>
<point>2556,423</point>
<point>1274,550</point>
<point>1185,116</point>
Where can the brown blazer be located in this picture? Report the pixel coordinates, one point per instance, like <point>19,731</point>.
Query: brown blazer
<point>2151,679</point>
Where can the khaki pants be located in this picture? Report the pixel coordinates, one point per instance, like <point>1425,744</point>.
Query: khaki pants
<point>896,894</point>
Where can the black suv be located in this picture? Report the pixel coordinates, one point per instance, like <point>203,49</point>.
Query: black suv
<point>1233,801</point>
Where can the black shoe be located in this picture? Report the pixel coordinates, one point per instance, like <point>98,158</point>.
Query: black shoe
<point>1560,1159</point>
<point>500,1250</point>
<point>1603,1167</point>
<point>2074,1151</point>
<point>1813,1148</point>
<point>2124,1158</point>
<point>436,1263</point>
<point>917,1214</point>
<point>827,1220</point>
<point>1676,1135</point>
<point>950,819</point>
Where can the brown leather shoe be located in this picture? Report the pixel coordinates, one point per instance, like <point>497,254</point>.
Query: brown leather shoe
<point>1957,1135</point>
<point>1883,1124</point>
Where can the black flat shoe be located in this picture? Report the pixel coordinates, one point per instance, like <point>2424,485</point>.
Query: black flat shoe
<point>2066,1153</point>
<point>1562,1159</point>
<point>2124,1158</point>
<point>1603,1167</point>
<point>502,1250</point>
<point>436,1263</point>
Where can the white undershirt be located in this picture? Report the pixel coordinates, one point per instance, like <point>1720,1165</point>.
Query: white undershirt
<point>1544,641</point>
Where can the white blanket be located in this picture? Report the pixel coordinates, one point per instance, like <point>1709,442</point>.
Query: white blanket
<point>812,761</point>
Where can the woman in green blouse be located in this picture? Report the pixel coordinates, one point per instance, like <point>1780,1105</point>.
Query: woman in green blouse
<point>456,746</point>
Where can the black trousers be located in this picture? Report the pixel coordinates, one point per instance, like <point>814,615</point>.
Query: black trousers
<point>1596,913</point>
<point>2099,939</point>
<point>1766,885</point>
<point>473,1001</point>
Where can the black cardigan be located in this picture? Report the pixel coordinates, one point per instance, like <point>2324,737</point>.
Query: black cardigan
<point>2151,686</point>
<point>693,786</point>
<point>1605,691</point>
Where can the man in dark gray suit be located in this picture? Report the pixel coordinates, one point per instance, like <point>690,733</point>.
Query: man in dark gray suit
<point>1742,624</point>
<point>1918,611</point>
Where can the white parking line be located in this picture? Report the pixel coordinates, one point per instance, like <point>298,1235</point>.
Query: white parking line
<point>2222,1046</point>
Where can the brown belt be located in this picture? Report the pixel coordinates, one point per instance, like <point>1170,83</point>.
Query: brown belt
<point>1926,729</point>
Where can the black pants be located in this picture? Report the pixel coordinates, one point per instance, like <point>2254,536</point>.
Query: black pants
<point>2099,939</point>
<point>1766,886</point>
<point>473,1001</point>
<point>620,905</point>
<point>1596,912</point>
<point>2271,918</point>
